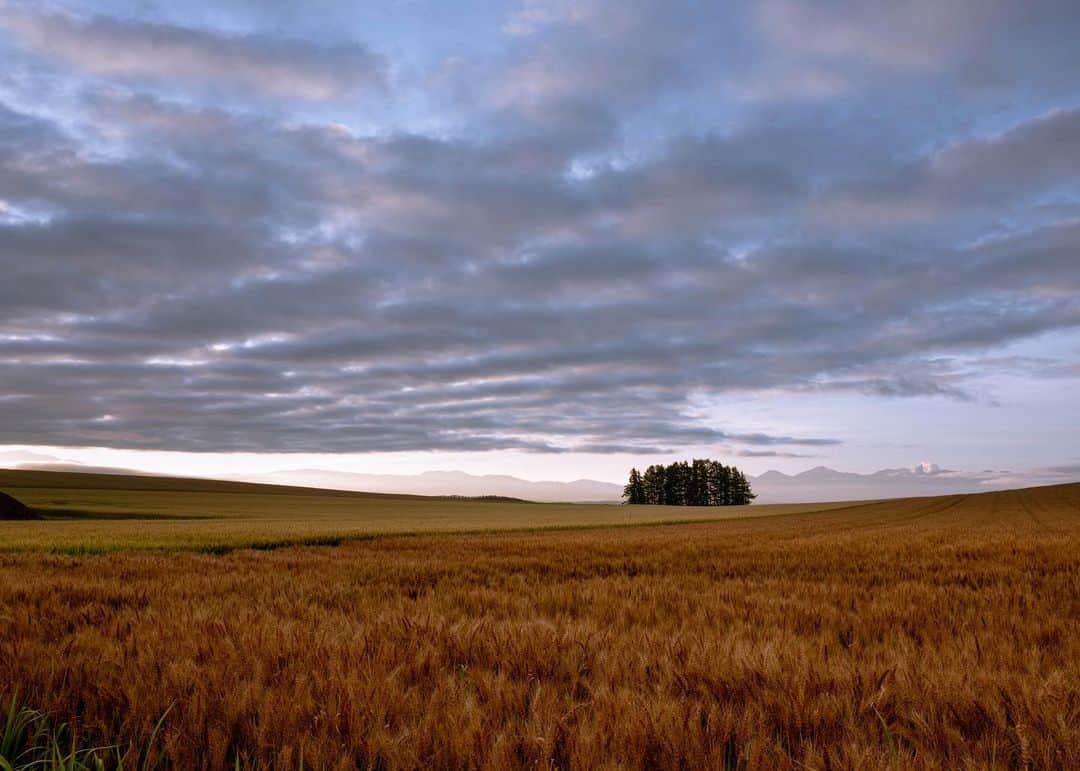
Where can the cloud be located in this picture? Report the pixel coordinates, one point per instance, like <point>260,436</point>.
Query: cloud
<point>770,454</point>
<point>828,50</point>
<point>915,37</point>
<point>585,241</point>
<point>206,59</point>
<point>217,331</point>
<point>1070,470</point>
<point>1035,157</point>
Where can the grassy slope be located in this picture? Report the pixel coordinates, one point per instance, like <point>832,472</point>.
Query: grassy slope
<point>97,512</point>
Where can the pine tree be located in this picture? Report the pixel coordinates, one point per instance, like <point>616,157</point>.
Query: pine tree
<point>743,493</point>
<point>699,482</point>
<point>677,484</point>
<point>653,482</point>
<point>634,492</point>
<point>672,496</point>
<point>715,483</point>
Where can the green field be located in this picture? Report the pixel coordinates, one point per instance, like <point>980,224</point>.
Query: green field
<point>96,512</point>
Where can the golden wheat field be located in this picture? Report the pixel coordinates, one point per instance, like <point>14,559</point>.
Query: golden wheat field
<point>919,633</point>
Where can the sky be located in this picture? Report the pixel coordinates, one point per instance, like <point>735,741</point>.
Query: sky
<point>549,239</point>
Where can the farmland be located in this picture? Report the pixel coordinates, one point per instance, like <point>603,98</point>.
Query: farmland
<point>917,633</point>
<point>98,512</point>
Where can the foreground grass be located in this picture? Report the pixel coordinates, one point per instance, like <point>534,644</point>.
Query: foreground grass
<point>929,633</point>
<point>94,514</point>
<point>32,741</point>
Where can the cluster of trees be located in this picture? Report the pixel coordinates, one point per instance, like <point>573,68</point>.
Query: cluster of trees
<point>701,482</point>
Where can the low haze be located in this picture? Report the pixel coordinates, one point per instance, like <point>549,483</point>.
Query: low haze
<point>542,239</point>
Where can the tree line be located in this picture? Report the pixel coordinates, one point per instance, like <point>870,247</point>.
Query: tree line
<point>701,482</point>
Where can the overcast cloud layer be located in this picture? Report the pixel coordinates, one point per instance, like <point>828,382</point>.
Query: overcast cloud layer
<point>550,226</point>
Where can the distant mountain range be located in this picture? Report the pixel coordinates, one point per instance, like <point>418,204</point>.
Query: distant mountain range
<point>452,483</point>
<point>826,484</point>
<point>10,458</point>
<point>816,484</point>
